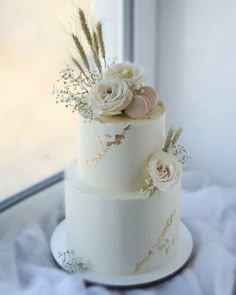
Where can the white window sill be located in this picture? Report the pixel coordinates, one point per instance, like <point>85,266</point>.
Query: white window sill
<point>33,208</point>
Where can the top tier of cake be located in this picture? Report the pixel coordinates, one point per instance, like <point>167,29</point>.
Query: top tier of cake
<point>113,154</point>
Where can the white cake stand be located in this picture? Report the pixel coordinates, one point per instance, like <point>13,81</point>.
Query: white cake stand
<point>184,250</point>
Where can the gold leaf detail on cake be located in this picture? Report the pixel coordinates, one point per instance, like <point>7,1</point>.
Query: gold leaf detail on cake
<point>163,243</point>
<point>108,135</point>
<point>106,145</point>
<point>144,260</point>
<point>160,244</point>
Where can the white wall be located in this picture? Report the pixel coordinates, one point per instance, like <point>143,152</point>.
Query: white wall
<point>110,12</point>
<point>196,77</point>
<point>145,37</point>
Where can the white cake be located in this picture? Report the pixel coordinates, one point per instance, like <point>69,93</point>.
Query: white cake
<point>110,223</point>
<point>122,168</point>
<point>122,193</point>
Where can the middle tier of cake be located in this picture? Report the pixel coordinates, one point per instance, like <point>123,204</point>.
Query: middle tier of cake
<point>113,154</point>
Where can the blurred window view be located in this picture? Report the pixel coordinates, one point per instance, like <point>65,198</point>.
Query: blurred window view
<point>37,137</point>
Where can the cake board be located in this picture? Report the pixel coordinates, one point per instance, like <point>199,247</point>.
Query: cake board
<point>184,250</point>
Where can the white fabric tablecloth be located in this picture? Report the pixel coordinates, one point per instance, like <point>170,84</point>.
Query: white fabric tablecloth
<point>27,267</point>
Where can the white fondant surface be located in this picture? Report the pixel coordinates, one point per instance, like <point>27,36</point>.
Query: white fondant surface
<point>123,166</point>
<point>115,231</point>
<point>184,250</point>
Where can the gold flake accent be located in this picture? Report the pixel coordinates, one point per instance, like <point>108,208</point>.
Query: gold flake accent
<point>159,245</point>
<point>108,135</point>
<point>144,260</point>
<point>163,243</point>
<point>106,145</point>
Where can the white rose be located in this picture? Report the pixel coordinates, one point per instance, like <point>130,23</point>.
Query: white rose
<point>130,73</point>
<point>110,97</point>
<point>164,170</point>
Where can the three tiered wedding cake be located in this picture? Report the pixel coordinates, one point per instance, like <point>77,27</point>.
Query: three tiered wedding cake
<point>122,193</point>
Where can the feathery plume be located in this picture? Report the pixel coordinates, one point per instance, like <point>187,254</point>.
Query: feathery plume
<point>101,41</point>
<point>81,52</point>
<point>85,27</point>
<point>168,140</point>
<point>176,137</point>
<point>97,61</point>
<point>89,38</point>
<point>96,52</point>
<point>95,42</point>
<point>81,69</point>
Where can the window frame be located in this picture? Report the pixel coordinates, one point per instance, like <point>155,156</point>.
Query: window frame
<point>128,54</point>
<point>25,194</point>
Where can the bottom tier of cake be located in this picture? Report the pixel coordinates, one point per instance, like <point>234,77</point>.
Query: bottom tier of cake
<point>120,233</point>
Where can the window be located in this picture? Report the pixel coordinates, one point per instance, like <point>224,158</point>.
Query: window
<point>37,137</point>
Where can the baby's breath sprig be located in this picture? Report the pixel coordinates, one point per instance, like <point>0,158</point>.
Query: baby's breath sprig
<point>180,153</point>
<point>74,91</point>
<point>177,150</point>
<point>148,187</point>
<point>71,263</point>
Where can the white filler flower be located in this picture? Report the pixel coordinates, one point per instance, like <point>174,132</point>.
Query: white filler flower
<point>164,170</point>
<point>110,97</point>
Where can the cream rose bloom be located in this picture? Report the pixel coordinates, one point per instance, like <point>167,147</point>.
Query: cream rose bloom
<point>130,73</point>
<point>164,170</point>
<point>110,97</point>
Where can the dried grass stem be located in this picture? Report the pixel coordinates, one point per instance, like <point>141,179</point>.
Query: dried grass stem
<point>89,39</point>
<point>82,71</point>
<point>101,41</point>
<point>81,51</point>
<point>176,137</point>
<point>168,140</point>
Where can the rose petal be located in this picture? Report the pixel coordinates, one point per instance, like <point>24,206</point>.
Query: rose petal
<point>110,97</point>
<point>130,73</point>
<point>138,107</point>
<point>164,170</point>
<point>151,94</point>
